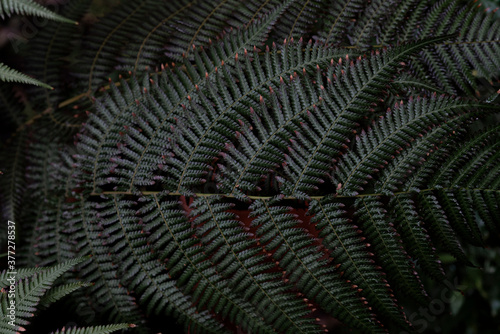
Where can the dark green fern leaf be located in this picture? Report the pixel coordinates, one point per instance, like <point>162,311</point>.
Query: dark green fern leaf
<point>8,74</point>
<point>247,268</point>
<point>161,104</point>
<point>294,251</point>
<point>258,183</point>
<point>353,260</point>
<point>95,330</point>
<point>439,227</point>
<point>195,275</point>
<point>401,128</point>
<point>415,237</point>
<point>28,294</point>
<point>387,245</point>
<point>87,234</point>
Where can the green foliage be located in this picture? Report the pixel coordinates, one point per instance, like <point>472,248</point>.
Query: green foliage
<point>94,330</point>
<point>25,7</point>
<point>8,74</point>
<point>214,164</point>
<point>30,289</point>
<point>28,7</point>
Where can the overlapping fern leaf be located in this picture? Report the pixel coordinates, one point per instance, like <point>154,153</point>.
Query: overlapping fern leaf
<point>29,7</point>
<point>454,65</point>
<point>28,290</point>
<point>242,178</point>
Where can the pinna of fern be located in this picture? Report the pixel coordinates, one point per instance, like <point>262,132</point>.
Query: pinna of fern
<point>409,131</point>
<point>25,7</point>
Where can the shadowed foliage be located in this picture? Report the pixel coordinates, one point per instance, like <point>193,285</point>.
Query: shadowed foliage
<point>255,166</point>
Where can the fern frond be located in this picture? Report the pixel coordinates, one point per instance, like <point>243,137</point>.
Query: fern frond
<point>21,273</point>
<point>247,268</point>
<point>339,15</point>
<point>457,207</point>
<point>29,7</point>
<point>12,182</point>
<point>87,235</point>
<point>473,54</point>
<point>140,253</point>
<point>94,330</point>
<point>386,245</point>
<point>401,128</point>
<point>49,55</point>
<point>461,151</point>
<point>167,29</point>
<point>195,274</point>
<point>8,74</point>
<point>257,20</point>
<point>29,291</point>
<point>254,185</point>
<point>107,38</point>
<point>439,227</point>
<point>411,85</point>
<point>208,23</point>
<point>298,20</point>
<point>346,101</point>
<point>61,291</point>
<point>353,260</point>
<point>295,252</point>
<point>454,65</point>
<point>486,204</point>
<point>12,115</point>
<point>50,176</point>
<point>188,102</point>
<point>367,27</point>
<point>416,239</point>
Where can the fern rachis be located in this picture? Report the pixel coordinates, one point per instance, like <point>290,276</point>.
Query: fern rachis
<point>220,168</point>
